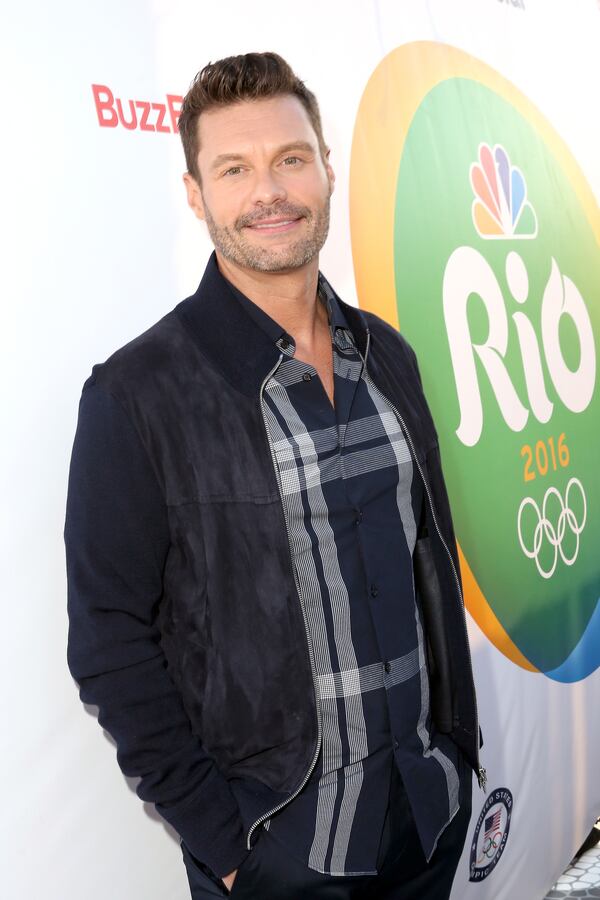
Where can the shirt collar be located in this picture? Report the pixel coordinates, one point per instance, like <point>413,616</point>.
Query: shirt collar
<point>272,328</point>
<point>224,332</point>
<point>277,333</point>
<point>337,319</point>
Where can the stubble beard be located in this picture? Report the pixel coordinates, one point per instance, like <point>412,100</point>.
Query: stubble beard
<point>233,245</point>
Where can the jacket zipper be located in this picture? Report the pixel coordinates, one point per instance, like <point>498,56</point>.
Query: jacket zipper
<point>481,772</point>
<point>271,812</point>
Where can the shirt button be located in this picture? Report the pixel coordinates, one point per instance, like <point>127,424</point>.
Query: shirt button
<point>387,667</point>
<point>396,744</point>
<point>307,376</point>
<point>359,515</point>
<point>374,590</point>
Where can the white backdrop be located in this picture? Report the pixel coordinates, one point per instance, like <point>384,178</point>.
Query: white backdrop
<point>99,243</point>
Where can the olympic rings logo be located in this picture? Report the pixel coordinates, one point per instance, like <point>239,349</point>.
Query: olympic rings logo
<point>554,533</point>
<point>489,847</point>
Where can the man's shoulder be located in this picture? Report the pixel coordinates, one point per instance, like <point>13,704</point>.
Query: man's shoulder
<point>380,329</point>
<point>143,359</point>
<point>384,338</point>
<point>379,325</point>
<point>389,338</point>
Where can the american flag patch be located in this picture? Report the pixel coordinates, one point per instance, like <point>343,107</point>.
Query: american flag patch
<point>492,823</point>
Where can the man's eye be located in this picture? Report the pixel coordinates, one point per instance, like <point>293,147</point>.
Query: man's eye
<point>233,170</point>
<point>292,160</point>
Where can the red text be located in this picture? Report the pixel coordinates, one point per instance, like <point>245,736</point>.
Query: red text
<point>136,114</point>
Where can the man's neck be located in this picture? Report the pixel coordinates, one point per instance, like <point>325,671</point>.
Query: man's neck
<point>290,298</point>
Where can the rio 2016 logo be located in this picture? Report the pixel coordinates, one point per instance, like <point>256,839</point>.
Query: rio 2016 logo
<point>474,231</point>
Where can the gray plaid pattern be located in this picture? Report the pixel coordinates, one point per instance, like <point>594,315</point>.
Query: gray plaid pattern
<point>368,678</point>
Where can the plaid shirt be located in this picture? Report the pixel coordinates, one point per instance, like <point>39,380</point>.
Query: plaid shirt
<point>352,508</point>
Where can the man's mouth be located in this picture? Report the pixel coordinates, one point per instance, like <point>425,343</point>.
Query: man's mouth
<point>274,225</point>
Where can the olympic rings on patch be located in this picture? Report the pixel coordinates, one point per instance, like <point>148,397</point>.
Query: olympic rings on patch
<point>489,847</point>
<point>553,533</point>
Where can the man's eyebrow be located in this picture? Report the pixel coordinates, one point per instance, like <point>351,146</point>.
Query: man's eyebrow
<point>285,148</point>
<point>296,145</point>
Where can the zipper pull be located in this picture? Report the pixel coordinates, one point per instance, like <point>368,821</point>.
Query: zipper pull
<point>482,779</point>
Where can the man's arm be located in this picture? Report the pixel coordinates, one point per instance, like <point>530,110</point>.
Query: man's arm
<point>117,539</point>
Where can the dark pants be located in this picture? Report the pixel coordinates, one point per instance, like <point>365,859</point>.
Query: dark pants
<point>270,873</point>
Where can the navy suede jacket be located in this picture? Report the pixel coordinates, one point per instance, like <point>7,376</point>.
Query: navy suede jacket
<point>185,625</point>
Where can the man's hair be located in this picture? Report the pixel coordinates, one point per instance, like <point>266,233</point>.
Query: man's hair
<point>250,76</point>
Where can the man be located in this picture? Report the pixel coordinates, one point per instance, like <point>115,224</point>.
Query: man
<point>264,595</point>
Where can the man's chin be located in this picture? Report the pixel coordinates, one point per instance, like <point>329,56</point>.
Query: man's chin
<point>275,263</point>
<point>281,267</point>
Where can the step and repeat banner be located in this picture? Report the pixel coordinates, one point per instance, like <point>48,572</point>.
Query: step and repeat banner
<point>466,145</point>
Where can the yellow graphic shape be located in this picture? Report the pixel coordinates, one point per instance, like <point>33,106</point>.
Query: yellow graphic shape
<point>484,222</point>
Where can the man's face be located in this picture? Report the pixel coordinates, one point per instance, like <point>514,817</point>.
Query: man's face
<point>265,188</point>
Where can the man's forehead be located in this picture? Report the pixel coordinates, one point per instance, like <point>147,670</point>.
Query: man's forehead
<point>275,121</point>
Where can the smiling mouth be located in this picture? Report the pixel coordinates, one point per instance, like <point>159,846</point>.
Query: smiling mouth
<point>274,225</point>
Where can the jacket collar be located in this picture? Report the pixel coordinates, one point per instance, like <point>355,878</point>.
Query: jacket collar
<point>239,340</point>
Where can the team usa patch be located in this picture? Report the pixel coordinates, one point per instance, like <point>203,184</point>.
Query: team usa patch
<point>491,834</point>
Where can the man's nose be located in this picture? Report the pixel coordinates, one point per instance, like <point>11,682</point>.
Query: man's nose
<point>267,187</point>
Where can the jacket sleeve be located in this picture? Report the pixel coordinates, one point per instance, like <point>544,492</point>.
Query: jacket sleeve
<point>117,540</point>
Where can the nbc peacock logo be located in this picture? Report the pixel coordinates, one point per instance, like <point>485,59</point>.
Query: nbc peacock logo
<point>475,233</point>
<point>500,207</point>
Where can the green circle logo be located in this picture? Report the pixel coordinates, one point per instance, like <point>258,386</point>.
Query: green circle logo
<point>496,275</point>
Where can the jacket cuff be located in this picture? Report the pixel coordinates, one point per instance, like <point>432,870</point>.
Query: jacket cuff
<point>218,876</point>
<point>210,825</point>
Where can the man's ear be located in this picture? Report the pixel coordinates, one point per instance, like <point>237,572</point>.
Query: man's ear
<point>194,195</point>
<point>329,170</point>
